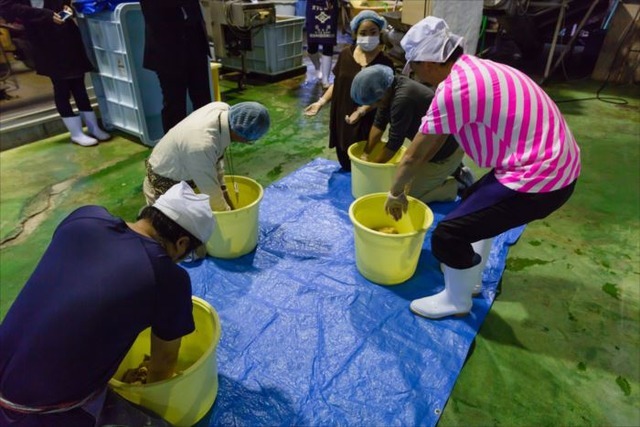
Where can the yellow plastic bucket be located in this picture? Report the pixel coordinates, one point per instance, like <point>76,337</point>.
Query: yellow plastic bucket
<point>368,177</point>
<point>388,259</point>
<point>236,231</point>
<point>188,396</point>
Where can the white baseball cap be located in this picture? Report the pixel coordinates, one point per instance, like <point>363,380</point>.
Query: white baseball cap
<point>429,40</point>
<point>189,210</point>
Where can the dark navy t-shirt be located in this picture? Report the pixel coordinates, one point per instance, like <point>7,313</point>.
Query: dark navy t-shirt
<point>97,286</point>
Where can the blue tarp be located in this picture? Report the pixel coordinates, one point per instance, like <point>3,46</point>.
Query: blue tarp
<point>306,340</point>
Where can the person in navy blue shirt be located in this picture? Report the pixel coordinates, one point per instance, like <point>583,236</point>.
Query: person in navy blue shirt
<point>100,283</point>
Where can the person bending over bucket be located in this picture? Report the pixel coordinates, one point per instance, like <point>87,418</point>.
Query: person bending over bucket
<point>401,103</point>
<point>503,121</point>
<point>193,150</point>
<point>99,284</point>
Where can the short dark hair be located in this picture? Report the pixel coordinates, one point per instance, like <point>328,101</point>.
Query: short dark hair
<point>457,53</point>
<point>167,228</point>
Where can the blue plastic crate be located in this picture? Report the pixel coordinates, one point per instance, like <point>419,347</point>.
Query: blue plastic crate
<point>131,97</point>
<point>105,34</point>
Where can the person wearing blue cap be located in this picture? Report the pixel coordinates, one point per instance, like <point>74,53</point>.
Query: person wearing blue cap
<point>100,282</point>
<point>349,122</point>
<point>401,104</point>
<point>193,150</point>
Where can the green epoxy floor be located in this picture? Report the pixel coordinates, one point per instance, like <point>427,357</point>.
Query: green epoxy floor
<point>561,345</point>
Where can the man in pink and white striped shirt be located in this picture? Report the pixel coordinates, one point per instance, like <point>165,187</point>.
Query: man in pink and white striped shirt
<point>502,120</point>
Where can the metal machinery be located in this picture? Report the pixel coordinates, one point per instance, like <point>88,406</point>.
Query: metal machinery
<point>230,24</point>
<point>526,21</point>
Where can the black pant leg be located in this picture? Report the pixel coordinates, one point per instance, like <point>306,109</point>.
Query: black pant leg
<point>327,49</point>
<point>79,92</point>
<point>62,97</point>
<point>312,48</point>
<point>174,98</point>
<point>198,72</point>
<point>451,240</point>
<point>343,158</point>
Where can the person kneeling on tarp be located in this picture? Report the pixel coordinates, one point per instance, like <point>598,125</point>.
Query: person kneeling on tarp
<point>502,120</point>
<point>193,150</point>
<point>401,103</point>
<point>99,284</point>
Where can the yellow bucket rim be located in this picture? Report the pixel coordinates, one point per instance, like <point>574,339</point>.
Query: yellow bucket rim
<point>428,218</point>
<point>117,384</point>
<point>250,205</point>
<point>371,164</point>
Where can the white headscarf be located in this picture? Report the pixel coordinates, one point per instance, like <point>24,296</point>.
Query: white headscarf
<point>429,40</point>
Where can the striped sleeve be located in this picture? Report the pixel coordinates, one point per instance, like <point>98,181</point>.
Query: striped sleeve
<point>447,114</point>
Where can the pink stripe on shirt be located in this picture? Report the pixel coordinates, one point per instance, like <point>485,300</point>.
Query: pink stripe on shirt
<point>450,108</point>
<point>528,143</point>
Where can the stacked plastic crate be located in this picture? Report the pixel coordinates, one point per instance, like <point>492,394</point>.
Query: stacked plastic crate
<point>129,96</point>
<point>276,48</point>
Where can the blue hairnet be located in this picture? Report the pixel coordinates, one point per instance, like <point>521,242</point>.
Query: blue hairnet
<point>370,84</point>
<point>367,15</point>
<point>250,120</point>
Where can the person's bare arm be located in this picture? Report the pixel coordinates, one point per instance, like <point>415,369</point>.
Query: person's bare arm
<point>384,155</point>
<point>422,149</point>
<point>357,114</point>
<point>313,109</point>
<point>164,357</point>
<point>227,198</point>
<point>375,136</point>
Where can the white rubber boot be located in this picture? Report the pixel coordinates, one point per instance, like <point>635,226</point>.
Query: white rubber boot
<point>482,248</point>
<point>325,67</point>
<point>455,300</point>
<point>74,125</point>
<point>93,128</point>
<point>315,60</point>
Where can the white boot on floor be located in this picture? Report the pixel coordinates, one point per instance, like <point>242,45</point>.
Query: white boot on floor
<point>325,67</point>
<point>315,60</point>
<point>455,300</point>
<point>93,128</point>
<point>74,125</point>
<point>482,248</point>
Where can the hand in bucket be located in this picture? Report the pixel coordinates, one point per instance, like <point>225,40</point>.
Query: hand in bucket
<point>396,206</point>
<point>137,375</point>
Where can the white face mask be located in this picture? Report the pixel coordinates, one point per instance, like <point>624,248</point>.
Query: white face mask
<point>368,43</point>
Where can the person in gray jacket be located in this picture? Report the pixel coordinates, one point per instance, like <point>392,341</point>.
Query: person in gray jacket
<point>401,104</point>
